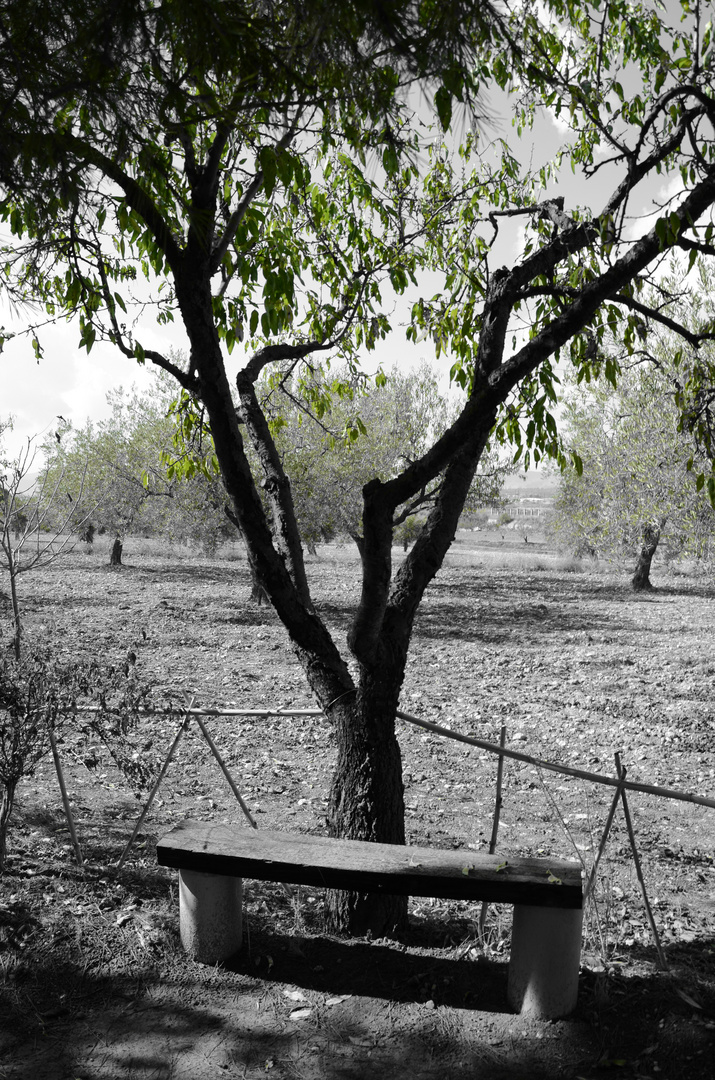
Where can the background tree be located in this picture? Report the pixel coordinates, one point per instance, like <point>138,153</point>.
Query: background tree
<point>262,167</point>
<point>634,489</point>
<point>366,431</point>
<point>127,463</point>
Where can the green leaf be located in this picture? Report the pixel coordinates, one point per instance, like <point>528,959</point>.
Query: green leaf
<point>269,168</point>
<point>443,105</point>
<point>390,160</point>
<point>661,231</point>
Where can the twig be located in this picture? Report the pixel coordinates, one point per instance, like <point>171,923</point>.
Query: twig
<point>602,844</point>
<point>157,784</point>
<point>65,798</point>
<point>492,748</point>
<point>596,778</point>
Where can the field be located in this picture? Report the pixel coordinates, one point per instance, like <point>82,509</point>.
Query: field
<point>93,983</point>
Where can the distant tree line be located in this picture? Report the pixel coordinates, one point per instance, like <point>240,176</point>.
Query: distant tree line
<point>149,469</point>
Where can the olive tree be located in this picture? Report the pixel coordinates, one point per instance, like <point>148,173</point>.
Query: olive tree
<point>368,429</point>
<point>128,465</point>
<point>633,489</point>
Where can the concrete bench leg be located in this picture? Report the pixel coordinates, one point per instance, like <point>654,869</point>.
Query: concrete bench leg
<point>210,915</point>
<point>545,955</point>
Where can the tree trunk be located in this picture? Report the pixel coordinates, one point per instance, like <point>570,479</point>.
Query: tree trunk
<point>367,802</point>
<point>651,537</point>
<point>115,559</point>
<point>16,619</point>
<point>6,802</point>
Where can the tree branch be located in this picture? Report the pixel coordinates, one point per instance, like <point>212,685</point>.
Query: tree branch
<point>254,187</point>
<point>276,485</point>
<point>693,339</point>
<point>135,194</point>
<point>607,286</point>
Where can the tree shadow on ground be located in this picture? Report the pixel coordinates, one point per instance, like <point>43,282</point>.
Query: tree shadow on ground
<point>329,1009</point>
<point>373,969</point>
<point>654,1024</point>
<point>497,621</point>
<point>236,575</point>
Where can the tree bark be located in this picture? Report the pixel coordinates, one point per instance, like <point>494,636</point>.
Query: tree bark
<point>651,537</point>
<point>367,800</point>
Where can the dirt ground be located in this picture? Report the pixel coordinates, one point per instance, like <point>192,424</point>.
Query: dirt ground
<point>93,982</point>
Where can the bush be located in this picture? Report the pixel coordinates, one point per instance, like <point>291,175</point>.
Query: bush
<point>40,693</point>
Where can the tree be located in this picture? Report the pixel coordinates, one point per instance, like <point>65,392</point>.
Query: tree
<point>127,463</point>
<point>367,431</point>
<point>261,165</point>
<point>633,488</point>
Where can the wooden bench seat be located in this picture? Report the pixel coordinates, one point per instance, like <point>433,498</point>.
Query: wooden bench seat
<point>546,894</point>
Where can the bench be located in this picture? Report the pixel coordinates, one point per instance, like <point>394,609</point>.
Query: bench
<point>546,894</point>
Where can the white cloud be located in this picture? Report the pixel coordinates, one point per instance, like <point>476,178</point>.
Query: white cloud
<point>66,382</point>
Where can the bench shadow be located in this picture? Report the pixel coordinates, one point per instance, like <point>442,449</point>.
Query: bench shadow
<point>336,967</point>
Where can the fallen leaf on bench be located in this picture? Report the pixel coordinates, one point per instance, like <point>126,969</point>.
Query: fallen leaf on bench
<point>553,880</point>
<point>299,1014</point>
<point>338,1000</point>
<point>413,862</point>
<point>466,869</point>
<point>295,995</point>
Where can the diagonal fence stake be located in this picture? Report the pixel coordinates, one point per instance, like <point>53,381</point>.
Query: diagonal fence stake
<point>662,962</point>
<point>155,787</point>
<point>602,845</point>
<point>222,765</point>
<point>188,715</point>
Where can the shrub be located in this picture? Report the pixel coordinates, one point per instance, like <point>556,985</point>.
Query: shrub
<point>40,693</point>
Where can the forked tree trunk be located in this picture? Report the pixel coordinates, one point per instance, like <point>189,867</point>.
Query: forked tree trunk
<point>367,803</point>
<point>651,537</point>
